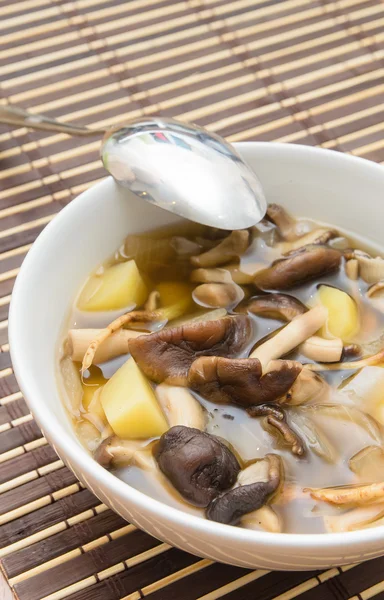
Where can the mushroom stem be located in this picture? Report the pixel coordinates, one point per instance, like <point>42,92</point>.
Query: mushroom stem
<point>291,336</point>
<point>263,410</point>
<point>283,221</point>
<point>115,451</point>
<point>353,365</point>
<point>228,249</point>
<point>352,269</point>
<point>371,270</point>
<point>290,437</point>
<point>79,340</point>
<point>317,236</point>
<point>322,350</point>
<point>180,407</point>
<point>138,316</point>
<point>215,275</point>
<point>357,494</point>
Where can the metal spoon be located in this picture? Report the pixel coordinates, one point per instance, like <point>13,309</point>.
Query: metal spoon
<point>180,167</point>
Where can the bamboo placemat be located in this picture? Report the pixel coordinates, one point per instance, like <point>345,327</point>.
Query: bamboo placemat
<point>301,71</point>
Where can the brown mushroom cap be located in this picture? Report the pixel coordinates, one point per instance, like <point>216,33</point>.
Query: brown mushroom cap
<point>255,486</point>
<point>241,381</point>
<point>275,306</point>
<point>298,267</point>
<point>198,464</point>
<point>168,354</point>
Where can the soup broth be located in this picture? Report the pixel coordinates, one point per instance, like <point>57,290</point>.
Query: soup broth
<point>304,384</point>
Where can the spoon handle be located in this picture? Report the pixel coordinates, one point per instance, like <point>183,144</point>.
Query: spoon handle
<point>18,117</point>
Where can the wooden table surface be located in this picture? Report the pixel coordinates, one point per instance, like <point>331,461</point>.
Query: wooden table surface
<point>297,71</point>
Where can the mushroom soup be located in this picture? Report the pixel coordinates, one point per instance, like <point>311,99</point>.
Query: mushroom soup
<point>237,375</point>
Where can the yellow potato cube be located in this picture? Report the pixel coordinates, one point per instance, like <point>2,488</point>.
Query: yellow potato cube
<point>175,298</point>
<point>120,286</point>
<point>343,315</point>
<point>131,406</point>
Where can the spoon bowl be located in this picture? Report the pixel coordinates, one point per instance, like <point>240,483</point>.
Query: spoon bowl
<point>180,167</point>
<point>185,170</point>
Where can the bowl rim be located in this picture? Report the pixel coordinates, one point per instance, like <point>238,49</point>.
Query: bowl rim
<point>84,461</point>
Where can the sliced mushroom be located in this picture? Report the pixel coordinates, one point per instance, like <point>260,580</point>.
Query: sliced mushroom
<point>167,355</point>
<point>218,295</point>
<point>115,451</point>
<point>136,316</point>
<point>197,464</point>
<point>228,249</point>
<point>241,381</point>
<point>299,267</point>
<point>78,341</point>
<point>313,238</point>
<point>291,336</point>
<point>180,407</point>
<point>244,272</point>
<point>211,276</point>
<point>255,487</point>
<point>283,221</point>
<point>371,270</point>
<point>349,494</point>
<point>275,306</point>
<point>308,386</point>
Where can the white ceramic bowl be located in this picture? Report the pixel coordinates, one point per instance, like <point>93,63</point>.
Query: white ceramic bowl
<point>325,185</point>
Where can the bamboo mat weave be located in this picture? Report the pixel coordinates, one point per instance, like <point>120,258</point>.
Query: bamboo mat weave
<point>300,71</point>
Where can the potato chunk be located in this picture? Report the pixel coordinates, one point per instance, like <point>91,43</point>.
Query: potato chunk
<point>343,315</point>
<point>131,406</point>
<point>120,286</point>
<point>175,298</point>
